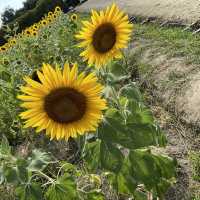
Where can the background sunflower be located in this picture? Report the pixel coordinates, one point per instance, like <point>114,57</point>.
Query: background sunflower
<point>105,35</point>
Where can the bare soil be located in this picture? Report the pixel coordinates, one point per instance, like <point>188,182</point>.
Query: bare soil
<point>187,11</point>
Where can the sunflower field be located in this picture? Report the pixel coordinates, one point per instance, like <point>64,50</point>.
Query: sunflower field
<point>74,125</point>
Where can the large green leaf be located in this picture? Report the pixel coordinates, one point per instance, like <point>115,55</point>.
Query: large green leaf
<point>22,171</point>
<point>10,174</point>
<point>145,135</point>
<point>131,135</point>
<point>125,179</point>
<point>114,131</point>
<point>138,113</point>
<point>117,72</point>
<point>111,157</point>
<point>30,191</point>
<point>132,92</point>
<point>63,189</point>
<point>39,160</point>
<point>92,155</point>
<point>117,69</point>
<point>152,170</point>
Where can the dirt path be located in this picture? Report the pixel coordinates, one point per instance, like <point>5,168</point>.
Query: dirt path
<point>186,11</point>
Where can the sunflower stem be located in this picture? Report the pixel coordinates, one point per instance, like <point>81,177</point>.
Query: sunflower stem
<point>82,144</point>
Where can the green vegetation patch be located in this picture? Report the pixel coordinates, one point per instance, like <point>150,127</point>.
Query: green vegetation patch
<point>173,41</point>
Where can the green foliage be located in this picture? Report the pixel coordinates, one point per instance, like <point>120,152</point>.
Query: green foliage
<point>125,140</point>
<point>29,191</point>
<point>39,160</point>
<point>195,161</point>
<point>111,157</point>
<point>63,189</point>
<point>28,175</point>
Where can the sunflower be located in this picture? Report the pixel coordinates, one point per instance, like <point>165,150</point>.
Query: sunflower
<point>27,32</point>
<point>44,22</point>
<point>50,14</point>
<point>49,19</point>
<point>105,35</point>
<point>34,33</point>
<point>35,26</point>
<point>74,17</point>
<point>57,9</point>
<point>64,103</point>
<point>54,16</point>
<point>57,13</point>
<point>13,41</point>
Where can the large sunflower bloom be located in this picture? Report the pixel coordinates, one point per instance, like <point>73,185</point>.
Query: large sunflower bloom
<point>105,35</point>
<point>64,103</point>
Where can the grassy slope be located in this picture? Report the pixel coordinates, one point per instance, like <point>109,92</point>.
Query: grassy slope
<point>172,42</point>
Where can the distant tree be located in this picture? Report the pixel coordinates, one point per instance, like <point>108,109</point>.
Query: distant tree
<point>31,12</point>
<point>29,4</point>
<point>8,15</point>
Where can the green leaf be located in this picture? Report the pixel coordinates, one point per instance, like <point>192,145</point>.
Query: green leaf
<point>113,130</point>
<point>63,189</point>
<point>151,170</point>
<point>92,155</point>
<point>125,179</point>
<point>6,76</point>
<point>145,135</point>
<point>112,179</point>
<point>10,174</point>
<point>132,92</point>
<point>95,196</point>
<point>111,157</point>
<point>22,171</point>
<point>131,136</point>
<point>117,69</point>
<point>162,187</point>
<point>110,129</point>
<point>67,166</point>
<point>138,113</point>
<point>139,195</point>
<point>31,191</point>
<point>107,91</point>
<point>38,161</point>
<point>5,148</point>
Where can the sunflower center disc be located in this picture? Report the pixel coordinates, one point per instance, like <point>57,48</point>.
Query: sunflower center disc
<point>104,38</point>
<point>65,105</point>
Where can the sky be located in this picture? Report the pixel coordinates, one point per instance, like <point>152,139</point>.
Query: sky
<point>15,4</point>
